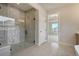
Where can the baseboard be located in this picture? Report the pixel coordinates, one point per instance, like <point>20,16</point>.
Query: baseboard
<point>64,43</point>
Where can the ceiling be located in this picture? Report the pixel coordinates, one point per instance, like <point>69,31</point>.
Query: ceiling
<point>21,6</point>
<point>47,6</point>
<point>51,6</point>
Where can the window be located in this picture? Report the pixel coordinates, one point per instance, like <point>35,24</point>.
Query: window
<point>55,26</point>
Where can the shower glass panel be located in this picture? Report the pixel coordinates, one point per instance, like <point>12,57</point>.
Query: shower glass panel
<point>17,27</point>
<point>10,33</point>
<point>2,34</point>
<point>6,25</point>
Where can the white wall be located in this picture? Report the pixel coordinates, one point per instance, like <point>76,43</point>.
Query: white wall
<point>41,23</point>
<point>69,23</point>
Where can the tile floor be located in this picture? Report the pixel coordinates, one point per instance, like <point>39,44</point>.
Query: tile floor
<point>48,49</point>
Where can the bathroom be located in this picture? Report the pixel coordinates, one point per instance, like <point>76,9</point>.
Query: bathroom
<point>17,27</point>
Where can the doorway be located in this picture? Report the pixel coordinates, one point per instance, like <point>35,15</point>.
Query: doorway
<point>53,28</point>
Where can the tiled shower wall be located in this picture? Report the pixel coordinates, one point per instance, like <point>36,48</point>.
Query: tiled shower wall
<point>21,27</point>
<point>9,11</point>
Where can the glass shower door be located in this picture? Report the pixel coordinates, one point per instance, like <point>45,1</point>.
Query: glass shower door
<point>5,26</point>
<point>9,31</point>
<point>2,33</point>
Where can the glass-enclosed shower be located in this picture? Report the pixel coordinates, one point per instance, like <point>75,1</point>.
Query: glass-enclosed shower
<point>13,33</point>
<point>21,39</point>
<point>16,32</point>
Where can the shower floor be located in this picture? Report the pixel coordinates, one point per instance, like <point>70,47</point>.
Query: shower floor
<point>18,47</point>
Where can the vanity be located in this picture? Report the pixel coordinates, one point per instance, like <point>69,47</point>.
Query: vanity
<point>77,44</point>
<point>77,38</point>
